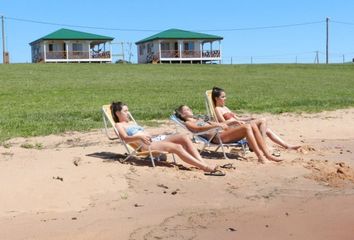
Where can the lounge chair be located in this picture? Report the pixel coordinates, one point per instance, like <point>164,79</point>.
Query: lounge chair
<point>132,149</point>
<point>210,106</point>
<point>199,137</point>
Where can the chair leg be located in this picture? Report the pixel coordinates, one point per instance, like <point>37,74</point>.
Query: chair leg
<point>151,158</point>
<point>174,159</point>
<point>125,159</point>
<point>222,146</point>
<point>223,151</point>
<point>243,148</point>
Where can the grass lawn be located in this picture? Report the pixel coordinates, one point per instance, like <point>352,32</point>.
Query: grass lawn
<point>40,99</point>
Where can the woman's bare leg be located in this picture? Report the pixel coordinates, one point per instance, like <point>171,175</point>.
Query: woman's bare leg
<point>265,131</point>
<point>262,144</point>
<point>262,126</point>
<point>275,138</point>
<point>179,150</point>
<point>185,141</point>
<point>239,132</point>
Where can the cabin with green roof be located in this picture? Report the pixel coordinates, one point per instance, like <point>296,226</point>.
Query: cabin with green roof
<point>179,46</point>
<point>65,45</point>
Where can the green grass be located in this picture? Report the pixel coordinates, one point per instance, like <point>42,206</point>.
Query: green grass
<point>40,99</point>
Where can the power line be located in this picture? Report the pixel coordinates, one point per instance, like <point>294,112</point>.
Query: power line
<point>80,26</point>
<point>157,30</point>
<point>346,23</point>
<point>263,27</point>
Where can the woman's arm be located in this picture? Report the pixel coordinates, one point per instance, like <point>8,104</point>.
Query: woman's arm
<point>233,120</point>
<point>193,126</point>
<point>137,137</point>
<point>246,119</point>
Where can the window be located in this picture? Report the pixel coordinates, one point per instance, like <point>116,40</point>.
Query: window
<point>165,46</point>
<point>189,46</point>
<point>77,47</point>
<point>52,47</point>
<point>141,49</point>
<point>149,47</point>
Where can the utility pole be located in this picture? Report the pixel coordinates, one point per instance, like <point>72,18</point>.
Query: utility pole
<point>123,51</point>
<point>130,52</point>
<point>316,58</point>
<point>3,40</point>
<point>121,54</point>
<point>327,23</point>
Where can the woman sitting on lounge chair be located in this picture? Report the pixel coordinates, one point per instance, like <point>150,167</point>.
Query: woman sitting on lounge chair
<point>178,144</point>
<point>224,115</point>
<point>229,134</point>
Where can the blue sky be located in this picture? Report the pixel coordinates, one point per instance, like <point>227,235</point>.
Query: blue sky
<point>248,27</point>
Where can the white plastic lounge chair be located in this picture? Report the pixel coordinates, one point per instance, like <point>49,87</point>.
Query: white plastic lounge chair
<point>132,149</point>
<point>207,142</point>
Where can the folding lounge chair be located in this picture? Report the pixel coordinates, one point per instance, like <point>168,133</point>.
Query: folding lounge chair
<point>200,136</point>
<point>212,115</point>
<point>132,149</point>
<point>210,106</point>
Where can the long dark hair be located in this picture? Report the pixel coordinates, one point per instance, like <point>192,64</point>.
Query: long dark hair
<point>116,107</point>
<point>178,112</point>
<point>215,93</point>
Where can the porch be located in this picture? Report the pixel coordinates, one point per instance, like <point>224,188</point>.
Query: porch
<point>65,45</point>
<point>185,56</point>
<point>75,56</point>
<point>180,46</point>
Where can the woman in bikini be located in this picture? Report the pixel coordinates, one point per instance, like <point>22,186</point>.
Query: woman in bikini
<point>229,134</point>
<point>225,115</point>
<point>178,144</point>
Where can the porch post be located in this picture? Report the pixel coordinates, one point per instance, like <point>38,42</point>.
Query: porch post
<point>220,51</point>
<point>66,51</point>
<point>89,50</point>
<point>201,51</point>
<point>160,51</point>
<point>110,51</point>
<point>44,52</point>
<point>180,48</point>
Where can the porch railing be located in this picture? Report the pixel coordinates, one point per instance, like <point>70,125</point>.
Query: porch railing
<point>189,54</point>
<point>77,55</point>
<point>211,54</point>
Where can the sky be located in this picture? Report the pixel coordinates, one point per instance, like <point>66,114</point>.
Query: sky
<point>272,31</point>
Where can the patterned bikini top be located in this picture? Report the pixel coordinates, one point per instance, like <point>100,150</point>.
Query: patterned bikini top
<point>133,129</point>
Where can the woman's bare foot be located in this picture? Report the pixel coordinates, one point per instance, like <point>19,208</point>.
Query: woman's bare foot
<point>211,169</point>
<point>293,147</point>
<point>273,158</point>
<point>261,159</point>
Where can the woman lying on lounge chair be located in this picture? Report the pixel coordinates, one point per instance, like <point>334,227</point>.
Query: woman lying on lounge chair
<point>229,134</point>
<point>178,144</point>
<point>224,115</point>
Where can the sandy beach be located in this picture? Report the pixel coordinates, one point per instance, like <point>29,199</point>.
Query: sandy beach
<point>74,186</point>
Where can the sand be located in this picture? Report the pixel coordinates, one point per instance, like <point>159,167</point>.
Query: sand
<point>74,186</point>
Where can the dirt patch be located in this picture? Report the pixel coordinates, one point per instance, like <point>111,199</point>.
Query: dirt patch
<point>336,174</point>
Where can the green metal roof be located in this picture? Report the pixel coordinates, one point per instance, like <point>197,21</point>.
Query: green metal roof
<point>67,34</point>
<point>179,34</point>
